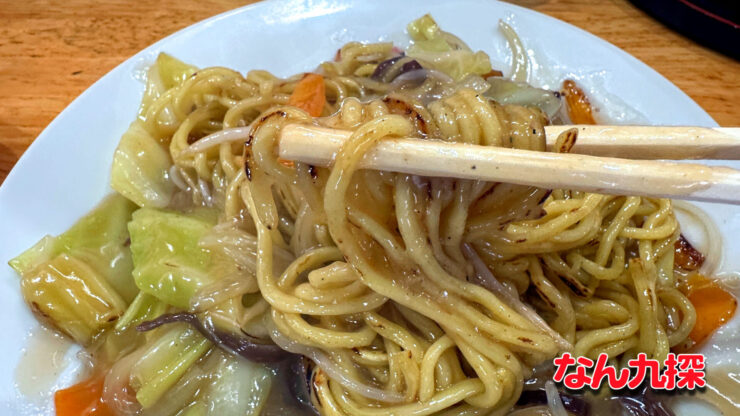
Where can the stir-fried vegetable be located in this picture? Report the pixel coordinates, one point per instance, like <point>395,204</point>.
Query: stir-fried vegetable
<point>239,387</point>
<point>309,94</point>
<point>82,399</point>
<point>165,361</point>
<point>506,92</point>
<point>579,108</point>
<point>241,345</point>
<point>172,71</point>
<point>217,385</point>
<point>519,58</point>
<point>133,250</point>
<point>73,297</point>
<point>443,51</point>
<point>141,167</point>
<point>99,239</point>
<point>167,72</point>
<point>144,307</point>
<point>169,264</point>
<point>714,306</point>
<point>80,281</point>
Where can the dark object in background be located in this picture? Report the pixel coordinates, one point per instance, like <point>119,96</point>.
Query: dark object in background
<point>713,23</point>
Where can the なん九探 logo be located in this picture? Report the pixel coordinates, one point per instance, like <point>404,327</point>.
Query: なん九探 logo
<point>676,372</point>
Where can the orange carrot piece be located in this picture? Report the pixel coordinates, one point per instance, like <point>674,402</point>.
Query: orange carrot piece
<point>579,108</point>
<point>714,306</point>
<point>82,399</point>
<point>309,94</point>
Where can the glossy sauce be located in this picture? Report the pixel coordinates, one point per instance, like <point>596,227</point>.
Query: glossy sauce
<point>48,362</point>
<point>42,363</point>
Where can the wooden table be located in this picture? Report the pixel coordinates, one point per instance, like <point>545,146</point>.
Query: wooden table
<point>50,51</point>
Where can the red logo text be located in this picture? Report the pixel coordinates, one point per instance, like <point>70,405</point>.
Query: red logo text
<point>679,371</point>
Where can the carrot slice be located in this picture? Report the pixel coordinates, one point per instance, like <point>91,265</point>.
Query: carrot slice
<point>714,306</point>
<point>309,94</point>
<point>579,108</point>
<point>82,399</point>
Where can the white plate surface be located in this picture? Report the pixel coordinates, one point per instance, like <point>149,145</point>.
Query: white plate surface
<point>65,172</point>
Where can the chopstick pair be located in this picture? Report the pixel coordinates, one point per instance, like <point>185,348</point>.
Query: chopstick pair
<point>627,170</point>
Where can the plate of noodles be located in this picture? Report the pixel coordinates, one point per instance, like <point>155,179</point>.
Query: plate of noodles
<point>180,267</point>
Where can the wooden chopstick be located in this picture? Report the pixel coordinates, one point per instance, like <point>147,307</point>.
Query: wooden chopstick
<point>653,142</point>
<point>318,146</point>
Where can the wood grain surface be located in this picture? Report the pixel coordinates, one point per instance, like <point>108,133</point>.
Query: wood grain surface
<point>51,51</point>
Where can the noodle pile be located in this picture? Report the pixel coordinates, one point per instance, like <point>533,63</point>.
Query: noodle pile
<point>367,273</point>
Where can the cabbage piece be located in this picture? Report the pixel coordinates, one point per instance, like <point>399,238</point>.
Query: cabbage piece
<point>39,253</point>
<point>181,399</point>
<point>141,167</point>
<point>239,387</point>
<point>73,297</point>
<point>443,51</point>
<point>144,307</point>
<point>457,64</point>
<point>172,71</point>
<point>427,35</point>
<point>99,239</point>
<point>217,385</point>
<point>168,262</point>
<point>504,91</point>
<point>165,361</point>
<point>166,72</point>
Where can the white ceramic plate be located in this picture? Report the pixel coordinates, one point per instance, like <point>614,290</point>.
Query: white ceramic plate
<point>65,172</point>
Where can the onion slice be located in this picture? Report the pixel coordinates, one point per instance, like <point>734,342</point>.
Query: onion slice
<point>489,281</point>
<point>553,399</point>
<point>176,178</point>
<point>519,58</point>
<point>331,368</point>
<point>117,393</point>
